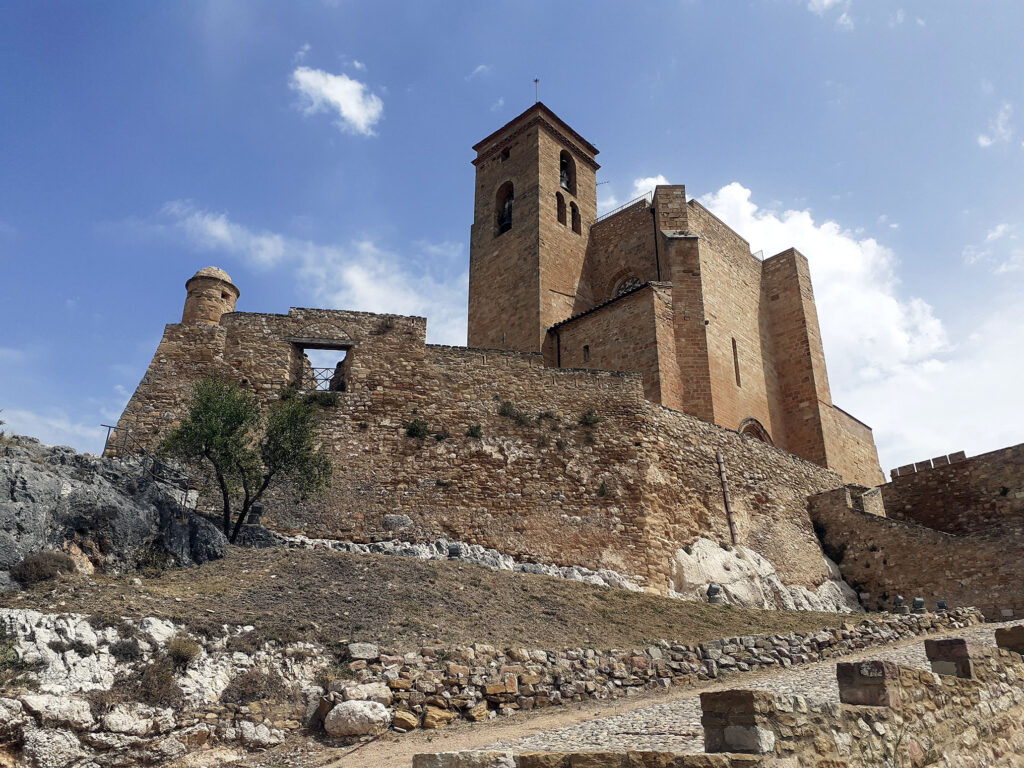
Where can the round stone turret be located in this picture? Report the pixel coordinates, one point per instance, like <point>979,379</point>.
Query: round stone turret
<point>210,294</point>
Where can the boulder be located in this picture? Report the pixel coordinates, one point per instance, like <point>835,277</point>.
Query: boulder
<point>50,748</point>
<point>406,720</point>
<point>60,711</point>
<point>130,719</point>
<point>363,651</point>
<point>378,692</point>
<point>357,718</point>
<point>435,717</point>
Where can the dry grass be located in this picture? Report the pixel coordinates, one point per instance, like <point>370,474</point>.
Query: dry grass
<point>334,598</point>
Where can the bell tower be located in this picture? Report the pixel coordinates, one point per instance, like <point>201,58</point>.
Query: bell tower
<point>535,199</point>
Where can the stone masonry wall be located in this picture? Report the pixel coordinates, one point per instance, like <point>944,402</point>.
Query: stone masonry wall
<point>884,558</point>
<point>984,492</point>
<point>620,246</point>
<point>623,490</point>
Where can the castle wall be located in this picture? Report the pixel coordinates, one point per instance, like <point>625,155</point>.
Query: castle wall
<point>632,333</point>
<point>850,447</point>
<point>886,557</point>
<point>982,493</point>
<point>731,283</point>
<point>623,493</point>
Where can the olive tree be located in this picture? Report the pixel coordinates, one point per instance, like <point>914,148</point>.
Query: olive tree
<point>249,450</point>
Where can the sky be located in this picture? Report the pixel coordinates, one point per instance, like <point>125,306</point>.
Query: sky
<point>320,153</point>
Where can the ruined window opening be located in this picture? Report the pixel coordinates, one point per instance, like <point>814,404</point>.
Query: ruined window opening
<point>324,369</point>
<point>576,224</point>
<point>753,428</point>
<point>224,295</point>
<point>586,353</point>
<point>567,172</point>
<point>503,208</point>
<point>505,153</point>
<point>560,204</point>
<point>736,362</point>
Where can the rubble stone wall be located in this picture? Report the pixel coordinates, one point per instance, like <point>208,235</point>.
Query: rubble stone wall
<point>883,558</point>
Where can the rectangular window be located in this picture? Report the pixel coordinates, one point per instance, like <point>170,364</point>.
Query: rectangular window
<point>736,362</point>
<point>586,353</point>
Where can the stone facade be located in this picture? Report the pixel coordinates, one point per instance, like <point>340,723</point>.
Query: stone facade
<point>572,467</point>
<point>660,287</point>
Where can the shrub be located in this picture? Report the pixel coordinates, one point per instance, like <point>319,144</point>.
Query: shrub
<point>603,490</point>
<point>322,397</point>
<point>509,411</point>
<point>41,566</point>
<point>156,686</point>
<point>441,435</point>
<point>549,415</point>
<point>327,675</point>
<point>255,685</point>
<point>152,561</point>
<point>417,429</point>
<point>561,444</point>
<point>126,650</point>
<point>589,418</point>
<point>82,649</point>
<point>475,431</point>
<point>182,651</point>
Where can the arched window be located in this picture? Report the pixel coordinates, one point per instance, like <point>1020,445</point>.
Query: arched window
<point>560,203</point>
<point>503,208</point>
<point>626,285</point>
<point>576,223</point>
<point>753,428</point>
<point>567,172</point>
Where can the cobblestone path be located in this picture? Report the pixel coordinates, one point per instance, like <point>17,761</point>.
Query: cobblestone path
<point>675,726</point>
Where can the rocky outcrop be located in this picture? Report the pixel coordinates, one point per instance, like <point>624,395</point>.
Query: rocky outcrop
<point>748,579</point>
<point>103,512</point>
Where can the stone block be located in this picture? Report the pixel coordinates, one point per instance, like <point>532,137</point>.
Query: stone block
<point>1011,638</point>
<point>950,656</point>
<point>738,721</point>
<point>869,683</point>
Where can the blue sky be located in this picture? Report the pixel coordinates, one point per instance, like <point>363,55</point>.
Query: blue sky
<point>320,153</point>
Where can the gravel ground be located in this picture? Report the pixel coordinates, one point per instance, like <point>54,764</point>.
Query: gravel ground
<point>675,726</point>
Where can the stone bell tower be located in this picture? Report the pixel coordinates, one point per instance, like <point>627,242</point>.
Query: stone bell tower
<point>535,199</point>
<point>210,295</point>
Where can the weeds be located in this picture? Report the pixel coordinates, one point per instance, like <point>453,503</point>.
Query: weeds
<point>182,651</point>
<point>40,567</point>
<point>417,429</point>
<point>589,418</point>
<point>257,684</point>
<point>475,431</point>
<point>509,411</point>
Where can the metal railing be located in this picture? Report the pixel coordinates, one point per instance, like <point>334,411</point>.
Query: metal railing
<point>648,196</point>
<point>122,444</point>
<point>325,380</point>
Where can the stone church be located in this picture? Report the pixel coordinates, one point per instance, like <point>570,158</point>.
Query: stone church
<point>659,286</point>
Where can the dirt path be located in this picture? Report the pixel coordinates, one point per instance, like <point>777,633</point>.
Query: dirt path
<point>395,751</point>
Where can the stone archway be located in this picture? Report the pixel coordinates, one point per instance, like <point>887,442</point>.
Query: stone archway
<point>754,428</point>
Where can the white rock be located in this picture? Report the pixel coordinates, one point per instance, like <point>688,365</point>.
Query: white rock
<point>159,631</point>
<point>367,651</point>
<point>378,692</point>
<point>132,719</point>
<point>50,747</point>
<point>257,736</point>
<point>357,718</point>
<point>464,760</point>
<point>60,710</point>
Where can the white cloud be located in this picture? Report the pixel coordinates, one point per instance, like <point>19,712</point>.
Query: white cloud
<point>498,104</point>
<point>54,428</point>
<point>356,64</point>
<point>890,359</point>
<point>358,276</point>
<point>300,55</point>
<point>358,110</point>
<point>607,203</point>
<point>920,22</point>
<point>1000,129</point>
<point>998,231</point>
<point>821,6</point>
<point>987,87</point>
<point>481,69</point>
<point>646,184</point>
<point>845,21</point>
<point>899,17</point>
<point>1000,251</point>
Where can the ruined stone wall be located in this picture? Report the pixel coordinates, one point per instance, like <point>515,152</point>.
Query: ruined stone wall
<point>633,333</point>
<point>850,447</point>
<point>884,558</point>
<point>624,489</point>
<point>984,492</point>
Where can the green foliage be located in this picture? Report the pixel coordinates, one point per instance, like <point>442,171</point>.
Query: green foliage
<point>417,429</point>
<point>248,450</point>
<point>509,411</point>
<point>41,566</point>
<point>589,418</point>
<point>603,490</point>
<point>79,647</point>
<point>475,431</point>
<point>182,651</point>
<point>321,397</point>
<point>441,434</point>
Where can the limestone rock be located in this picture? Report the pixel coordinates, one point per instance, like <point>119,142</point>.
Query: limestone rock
<point>357,718</point>
<point>435,717</point>
<point>50,747</point>
<point>378,692</point>
<point>130,719</point>
<point>405,720</point>
<point>258,736</point>
<point>60,711</point>
<point>363,651</point>
<point>464,760</point>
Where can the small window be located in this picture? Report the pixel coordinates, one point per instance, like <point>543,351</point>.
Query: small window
<point>224,295</point>
<point>576,223</point>
<point>586,353</point>
<point>560,205</point>
<point>505,154</point>
<point>503,208</point>
<point>736,362</point>
<point>567,172</point>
